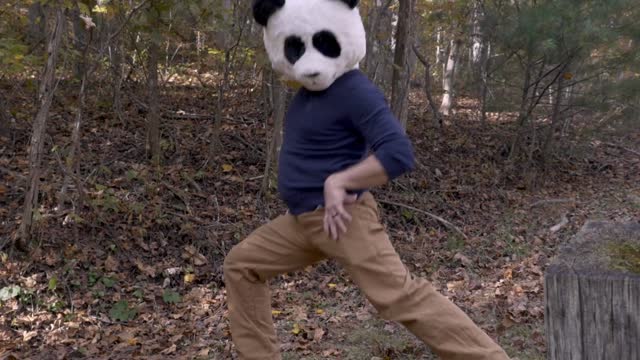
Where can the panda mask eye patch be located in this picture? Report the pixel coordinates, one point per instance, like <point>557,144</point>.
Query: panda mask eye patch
<point>294,48</point>
<point>325,41</point>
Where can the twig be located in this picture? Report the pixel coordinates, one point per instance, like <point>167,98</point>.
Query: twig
<point>436,217</point>
<point>550,201</point>
<point>12,173</point>
<point>180,194</point>
<point>623,148</point>
<point>247,144</point>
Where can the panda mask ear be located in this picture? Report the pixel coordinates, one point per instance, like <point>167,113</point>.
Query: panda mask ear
<point>263,9</point>
<point>351,3</point>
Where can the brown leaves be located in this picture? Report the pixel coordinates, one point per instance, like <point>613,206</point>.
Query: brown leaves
<point>145,269</point>
<point>111,264</point>
<point>318,333</point>
<point>191,254</point>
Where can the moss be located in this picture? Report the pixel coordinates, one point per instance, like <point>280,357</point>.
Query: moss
<point>625,256</point>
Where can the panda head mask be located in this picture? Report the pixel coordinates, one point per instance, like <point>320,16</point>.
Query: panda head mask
<point>312,42</point>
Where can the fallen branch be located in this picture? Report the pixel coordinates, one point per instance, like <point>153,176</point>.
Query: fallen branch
<point>12,173</point>
<point>623,148</point>
<point>436,217</point>
<point>550,201</point>
<point>179,194</point>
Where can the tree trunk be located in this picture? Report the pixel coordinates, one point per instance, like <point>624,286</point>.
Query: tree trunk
<point>478,52</point>
<point>383,58</point>
<point>449,78</point>
<point>484,83</point>
<point>37,23</point>
<point>280,103</point>
<point>437,120</point>
<point>216,143</point>
<point>592,295</point>
<point>401,68</point>
<point>117,56</point>
<point>555,119</point>
<point>153,119</point>
<point>45,98</point>
<point>523,114</point>
<point>7,121</point>
<point>377,39</point>
<point>79,39</point>
<point>73,161</point>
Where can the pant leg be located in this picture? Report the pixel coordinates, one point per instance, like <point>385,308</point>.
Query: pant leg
<point>374,266</point>
<point>274,248</point>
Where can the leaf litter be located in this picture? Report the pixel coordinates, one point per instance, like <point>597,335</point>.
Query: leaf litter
<point>141,275</point>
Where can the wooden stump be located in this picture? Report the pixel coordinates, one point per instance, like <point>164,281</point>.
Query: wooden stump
<point>592,295</point>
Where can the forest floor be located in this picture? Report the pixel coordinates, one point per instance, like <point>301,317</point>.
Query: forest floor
<point>134,269</point>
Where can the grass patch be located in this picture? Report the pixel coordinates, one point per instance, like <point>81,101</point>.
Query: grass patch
<point>524,342</point>
<point>625,256</point>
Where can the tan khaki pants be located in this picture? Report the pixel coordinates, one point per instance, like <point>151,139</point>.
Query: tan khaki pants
<point>289,243</point>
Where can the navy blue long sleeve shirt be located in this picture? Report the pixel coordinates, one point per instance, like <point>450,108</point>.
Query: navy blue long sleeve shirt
<point>328,131</point>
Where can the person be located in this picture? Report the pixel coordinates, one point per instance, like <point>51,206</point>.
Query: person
<point>340,141</point>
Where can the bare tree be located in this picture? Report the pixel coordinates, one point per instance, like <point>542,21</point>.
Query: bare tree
<point>153,117</point>
<point>280,95</point>
<point>45,98</point>
<point>73,157</point>
<point>401,66</point>
<point>37,21</point>
<point>478,46</point>
<point>437,119</point>
<point>378,25</point>
<point>449,77</point>
<point>6,120</point>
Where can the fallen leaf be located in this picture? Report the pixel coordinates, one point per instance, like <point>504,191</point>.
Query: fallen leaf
<point>28,335</point>
<point>463,259</point>
<point>276,312</point>
<point>296,329</point>
<point>363,315</point>
<point>173,271</point>
<point>145,269</point>
<point>318,334</point>
<point>331,352</point>
<point>319,311</point>
<point>174,339</point>
<point>563,221</point>
<point>128,337</point>
<point>189,278</point>
<point>331,285</point>
<point>507,323</point>
<point>169,350</point>
<point>203,353</point>
<point>508,274</point>
<point>52,258</point>
<point>192,253</point>
<point>299,313</point>
<point>111,264</point>
<point>227,167</point>
<point>455,285</point>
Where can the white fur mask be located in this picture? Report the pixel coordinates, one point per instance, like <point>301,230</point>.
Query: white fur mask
<point>312,42</point>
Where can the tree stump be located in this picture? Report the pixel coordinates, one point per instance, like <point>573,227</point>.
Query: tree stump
<point>592,295</point>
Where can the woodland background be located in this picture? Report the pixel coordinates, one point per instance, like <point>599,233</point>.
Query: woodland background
<point>138,142</point>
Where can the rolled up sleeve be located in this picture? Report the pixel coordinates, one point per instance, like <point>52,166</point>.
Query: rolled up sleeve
<point>384,134</point>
